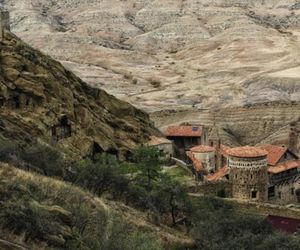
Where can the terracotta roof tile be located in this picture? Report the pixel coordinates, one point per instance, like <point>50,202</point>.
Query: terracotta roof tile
<point>247,152</point>
<point>202,149</point>
<point>275,153</point>
<point>223,150</point>
<point>218,175</point>
<point>284,166</point>
<point>188,131</point>
<point>158,141</point>
<point>196,163</point>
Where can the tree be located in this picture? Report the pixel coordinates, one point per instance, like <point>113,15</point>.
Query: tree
<point>98,176</point>
<point>148,160</point>
<point>171,198</point>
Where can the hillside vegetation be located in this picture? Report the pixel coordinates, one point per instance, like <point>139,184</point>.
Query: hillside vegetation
<point>113,206</point>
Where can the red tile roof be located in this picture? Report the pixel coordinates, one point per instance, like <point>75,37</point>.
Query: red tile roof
<point>284,166</point>
<point>246,152</point>
<point>202,149</point>
<point>223,150</point>
<point>158,141</point>
<point>184,131</point>
<point>275,153</point>
<point>283,224</point>
<point>196,163</point>
<point>221,173</point>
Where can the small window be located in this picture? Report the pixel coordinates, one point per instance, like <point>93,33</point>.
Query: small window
<point>271,192</point>
<point>279,195</point>
<point>292,191</point>
<point>254,194</point>
<point>195,128</point>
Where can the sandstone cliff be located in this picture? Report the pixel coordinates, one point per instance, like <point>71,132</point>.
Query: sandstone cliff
<point>41,100</point>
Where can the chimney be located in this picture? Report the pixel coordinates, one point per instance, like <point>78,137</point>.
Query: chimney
<point>4,22</point>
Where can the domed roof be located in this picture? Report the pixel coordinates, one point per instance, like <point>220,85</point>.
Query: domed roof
<point>202,149</point>
<point>247,152</point>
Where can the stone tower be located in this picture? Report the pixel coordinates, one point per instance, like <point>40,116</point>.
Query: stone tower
<point>214,140</point>
<point>4,22</point>
<point>248,173</point>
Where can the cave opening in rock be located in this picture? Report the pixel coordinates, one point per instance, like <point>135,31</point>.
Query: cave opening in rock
<point>96,150</point>
<point>61,130</point>
<point>17,102</point>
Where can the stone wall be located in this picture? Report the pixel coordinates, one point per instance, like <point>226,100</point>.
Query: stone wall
<point>249,178</point>
<point>266,209</point>
<point>207,159</point>
<point>285,193</point>
<point>167,148</point>
<point>213,189</point>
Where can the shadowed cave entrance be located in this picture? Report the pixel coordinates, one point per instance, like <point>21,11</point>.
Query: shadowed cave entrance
<point>61,130</point>
<point>98,150</point>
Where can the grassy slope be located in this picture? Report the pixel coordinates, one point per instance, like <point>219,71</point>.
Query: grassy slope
<point>54,195</point>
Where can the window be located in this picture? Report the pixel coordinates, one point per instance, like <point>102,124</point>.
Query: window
<point>254,194</point>
<point>279,195</point>
<point>195,129</point>
<point>292,191</point>
<point>271,192</point>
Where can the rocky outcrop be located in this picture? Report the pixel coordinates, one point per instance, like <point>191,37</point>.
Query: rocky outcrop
<point>41,100</point>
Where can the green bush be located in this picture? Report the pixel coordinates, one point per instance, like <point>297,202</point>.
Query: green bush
<point>43,159</point>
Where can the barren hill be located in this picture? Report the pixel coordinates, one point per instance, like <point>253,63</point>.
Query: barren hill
<point>178,53</point>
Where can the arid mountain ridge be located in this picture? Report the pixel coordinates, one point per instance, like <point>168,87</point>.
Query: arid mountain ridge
<point>175,57</point>
<point>158,54</point>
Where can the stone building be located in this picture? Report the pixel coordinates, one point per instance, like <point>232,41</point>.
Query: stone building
<point>248,173</point>
<point>4,22</point>
<point>184,137</point>
<point>283,173</point>
<point>164,145</point>
<point>279,179</point>
<point>205,155</point>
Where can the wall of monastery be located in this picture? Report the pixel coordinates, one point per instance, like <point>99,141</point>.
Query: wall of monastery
<point>207,159</point>
<point>249,178</point>
<point>285,193</point>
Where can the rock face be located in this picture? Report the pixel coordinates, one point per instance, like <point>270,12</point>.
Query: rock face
<point>157,54</point>
<point>41,100</point>
<point>253,124</point>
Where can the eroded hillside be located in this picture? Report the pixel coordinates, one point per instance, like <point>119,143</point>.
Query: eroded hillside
<point>157,54</point>
<point>41,100</point>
